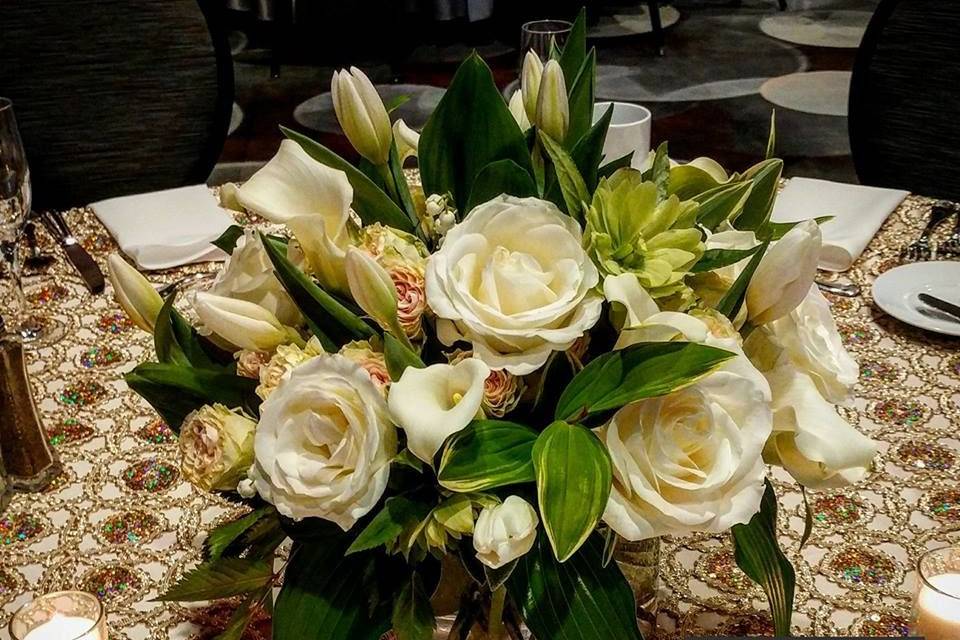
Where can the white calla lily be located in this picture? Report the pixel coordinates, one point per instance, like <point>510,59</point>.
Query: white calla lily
<point>407,140</point>
<point>244,324</point>
<point>432,403</point>
<point>626,290</point>
<point>134,293</point>
<point>294,184</point>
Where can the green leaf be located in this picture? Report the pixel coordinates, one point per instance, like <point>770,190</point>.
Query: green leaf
<point>221,578</point>
<point>502,176</point>
<point>399,513</point>
<point>575,49</point>
<point>227,241</point>
<point>587,153</point>
<point>164,341</point>
<point>574,476</point>
<point>487,454</point>
<point>175,391</point>
<point>396,102</point>
<point>772,138</point>
<point>759,555</point>
<point>660,171</point>
<point>688,181</point>
<point>581,100</point>
<point>226,534</point>
<point>398,357</point>
<point>732,300</point>
<point>612,166</point>
<point>369,201</point>
<point>413,617</point>
<point>765,177</point>
<point>644,370</point>
<point>577,600</point>
<point>400,182</point>
<point>776,230</point>
<point>722,203</point>
<point>807,519</point>
<point>496,578</point>
<point>470,128</point>
<point>718,258</point>
<point>572,186</point>
<point>332,323</point>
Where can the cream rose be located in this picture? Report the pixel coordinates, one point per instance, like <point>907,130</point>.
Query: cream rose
<point>501,390</point>
<point>505,532</point>
<point>513,280</point>
<point>248,275</point>
<point>690,460</point>
<point>373,362</point>
<point>284,360</point>
<point>324,443</point>
<point>216,447</point>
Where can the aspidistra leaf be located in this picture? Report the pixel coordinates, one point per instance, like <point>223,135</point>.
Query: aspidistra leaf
<point>574,49</point>
<point>487,454</point>
<point>581,100</point>
<point>587,153</point>
<point>499,177</point>
<point>221,578</point>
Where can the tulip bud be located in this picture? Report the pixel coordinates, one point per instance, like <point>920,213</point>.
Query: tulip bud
<point>244,324</point>
<point>505,532</point>
<point>530,83</point>
<point>553,111</point>
<point>216,447</point>
<point>372,289</point>
<point>134,293</point>
<point>517,110</point>
<point>785,274</point>
<point>407,140</point>
<point>362,115</point>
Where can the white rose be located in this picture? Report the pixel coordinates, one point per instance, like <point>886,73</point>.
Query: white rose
<point>248,275</point>
<point>809,338</point>
<point>216,447</point>
<point>690,460</point>
<point>324,443</point>
<point>284,360</point>
<point>505,532</point>
<point>432,403</point>
<point>513,280</point>
<point>815,445</point>
<point>785,274</point>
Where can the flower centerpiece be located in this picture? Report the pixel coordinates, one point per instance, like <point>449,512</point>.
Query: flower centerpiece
<point>457,395</point>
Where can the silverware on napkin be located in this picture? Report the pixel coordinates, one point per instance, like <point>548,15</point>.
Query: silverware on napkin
<point>920,249</point>
<point>941,305</point>
<point>78,256</point>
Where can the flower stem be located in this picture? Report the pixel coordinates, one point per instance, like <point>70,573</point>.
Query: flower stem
<point>496,629</point>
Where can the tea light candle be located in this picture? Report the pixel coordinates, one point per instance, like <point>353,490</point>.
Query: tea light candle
<point>63,615</point>
<point>937,611</point>
<point>60,627</point>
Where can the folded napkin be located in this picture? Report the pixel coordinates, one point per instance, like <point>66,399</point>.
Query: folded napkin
<point>858,212</point>
<point>166,228</point>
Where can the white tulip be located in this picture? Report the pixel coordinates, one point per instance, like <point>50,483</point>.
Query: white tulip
<point>407,140</point>
<point>432,403</point>
<point>372,288</point>
<point>505,532</point>
<point>294,184</point>
<point>134,293</point>
<point>785,274</point>
<point>244,324</point>
<point>517,110</point>
<point>815,445</point>
<point>530,78</point>
<point>553,110</point>
<point>362,115</point>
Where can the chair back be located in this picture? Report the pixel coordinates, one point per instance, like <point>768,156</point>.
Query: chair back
<point>904,115</point>
<point>115,96</point>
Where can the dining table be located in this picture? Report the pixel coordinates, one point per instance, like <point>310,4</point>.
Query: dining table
<point>121,522</point>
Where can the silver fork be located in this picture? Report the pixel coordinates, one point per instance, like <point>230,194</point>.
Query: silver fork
<point>951,246</point>
<point>920,249</point>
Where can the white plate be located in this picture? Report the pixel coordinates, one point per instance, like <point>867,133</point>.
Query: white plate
<point>896,293</point>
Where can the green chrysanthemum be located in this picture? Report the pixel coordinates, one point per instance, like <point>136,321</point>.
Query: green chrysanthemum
<point>630,230</point>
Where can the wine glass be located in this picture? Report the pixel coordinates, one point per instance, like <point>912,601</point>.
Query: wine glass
<point>15,200</point>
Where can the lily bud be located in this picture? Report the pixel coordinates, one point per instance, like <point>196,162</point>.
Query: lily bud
<point>785,274</point>
<point>362,115</point>
<point>407,140</point>
<point>372,289</point>
<point>530,84</point>
<point>244,324</point>
<point>553,112</point>
<point>134,293</point>
<point>518,111</point>
<point>216,447</point>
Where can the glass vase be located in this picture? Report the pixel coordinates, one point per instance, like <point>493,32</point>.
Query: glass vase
<point>640,564</point>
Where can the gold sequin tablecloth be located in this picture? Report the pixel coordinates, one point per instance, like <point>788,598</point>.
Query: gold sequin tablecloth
<point>121,522</point>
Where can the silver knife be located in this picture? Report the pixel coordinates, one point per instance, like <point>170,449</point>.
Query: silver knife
<point>941,305</point>
<point>78,256</point>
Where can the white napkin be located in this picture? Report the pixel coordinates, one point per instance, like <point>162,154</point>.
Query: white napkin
<point>858,213</point>
<point>166,229</point>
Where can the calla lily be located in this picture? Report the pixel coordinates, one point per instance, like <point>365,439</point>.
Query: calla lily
<point>553,111</point>
<point>432,403</point>
<point>324,241</point>
<point>362,115</point>
<point>517,110</point>
<point>372,288</point>
<point>294,184</point>
<point>407,140</point>
<point>625,290</point>
<point>244,324</point>
<point>530,79</point>
<point>134,293</point>
<point>785,274</point>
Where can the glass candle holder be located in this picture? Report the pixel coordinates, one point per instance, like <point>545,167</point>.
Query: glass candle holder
<point>936,608</point>
<point>63,615</point>
<point>539,34</point>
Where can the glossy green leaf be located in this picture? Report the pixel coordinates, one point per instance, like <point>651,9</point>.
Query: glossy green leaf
<point>502,176</point>
<point>722,203</point>
<point>328,319</point>
<point>400,186</point>
<point>612,166</point>
<point>756,211</point>
<point>732,300</point>
<point>644,370</point>
<point>574,49</point>
<point>688,181</point>
<point>487,454</point>
<point>581,100</point>
<point>719,258</point>
<point>574,476</point>
<point>758,554</point>
<point>177,342</point>
<point>660,171</point>
<point>807,519</point>
<point>579,599</point>
<point>220,538</point>
<point>772,138</point>
<point>396,102</point>
<point>572,186</point>
<point>776,230</point>
<point>470,128</point>
<point>413,617</point>
<point>399,513</point>
<point>587,153</point>
<point>398,357</point>
<point>370,202</point>
<point>221,578</point>
<point>164,341</point>
<point>227,241</point>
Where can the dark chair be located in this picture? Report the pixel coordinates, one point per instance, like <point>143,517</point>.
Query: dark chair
<point>904,115</point>
<point>115,96</point>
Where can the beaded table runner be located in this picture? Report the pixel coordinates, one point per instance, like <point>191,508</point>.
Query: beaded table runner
<point>120,522</point>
